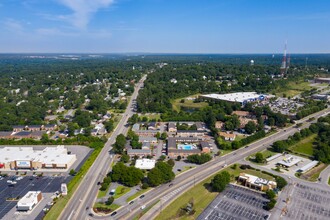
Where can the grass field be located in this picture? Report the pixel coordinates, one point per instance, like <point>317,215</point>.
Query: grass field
<point>153,116</point>
<point>201,196</point>
<point>292,89</point>
<point>314,173</point>
<point>113,206</point>
<point>266,153</point>
<point>137,194</point>
<point>304,146</point>
<point>187,104</point>
<point>101,194</point>
<point>120,191</point>
<point>58,207</point>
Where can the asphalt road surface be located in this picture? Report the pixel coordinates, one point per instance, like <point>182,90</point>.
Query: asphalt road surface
<point>82,201</point>
<point>166,194</point>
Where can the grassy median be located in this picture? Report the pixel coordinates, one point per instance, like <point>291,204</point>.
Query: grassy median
<point>201,195</point>
<point>58,207</point>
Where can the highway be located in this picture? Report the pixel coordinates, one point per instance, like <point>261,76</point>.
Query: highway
<point>167,194</point>
<point>82,201</point>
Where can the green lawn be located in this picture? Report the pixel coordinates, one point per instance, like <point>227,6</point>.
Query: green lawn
<point>103,193</point>
<point>266,153</point>
<point>120,191</point>
<point>304,146</point>
<point>154,116</point>
<point>144,211</point>
<point>292,88</point>
<point>137,194</point>
<point>329,181</point>
<point>187,104</point>
<point>113,206</point>
<point>201,196</point>
<point>58,207</point>
<point>185,168</point>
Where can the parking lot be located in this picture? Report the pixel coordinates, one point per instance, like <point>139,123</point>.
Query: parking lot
<point>28,183</point>
<point>236,203</point>
<point>308,203</point>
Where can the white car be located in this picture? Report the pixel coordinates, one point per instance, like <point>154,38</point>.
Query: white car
<point>143,207</point>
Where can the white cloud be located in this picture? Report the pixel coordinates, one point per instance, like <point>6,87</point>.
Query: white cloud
<point>83,10</point>
<point>13,25</point>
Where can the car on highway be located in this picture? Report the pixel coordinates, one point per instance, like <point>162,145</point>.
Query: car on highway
<point>113,214</point>
<point>143,207</point>
<point>142,196</point>
<point>91,214</point>
<point>170,185</point>
<point>131,202</point>
<point>247,146</point>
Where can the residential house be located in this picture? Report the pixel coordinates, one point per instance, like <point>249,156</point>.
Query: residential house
<point>138,152</point>
<point>152,126</point>
<point>227,136</point>
<point>219,125</point>
<point>18,128</point>
<point>172,127</point>
<point>245,114</point>
<point>151,140</point>
<point>206,148</point>
<point>190,133</point>
<point>50,127</point>
<point>34,127</point>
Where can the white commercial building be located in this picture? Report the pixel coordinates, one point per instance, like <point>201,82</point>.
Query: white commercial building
<point>240,97</point>
<point>29,201</point>
<point>28,158</point>
<point>289,161</point>
<point>145,164</point>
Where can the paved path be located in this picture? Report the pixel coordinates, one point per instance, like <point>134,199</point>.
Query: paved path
<point>324,175</point>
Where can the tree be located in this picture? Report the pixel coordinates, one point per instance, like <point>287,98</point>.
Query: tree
<point>119,144</point>
<point>279,146</point>
<point>250,127</point>
<point>109,125</point>
<point>281,182</point>
<point>124,158</point>
<point>171,162</point>
<point>259,158</point>
<point>158,135</point>
<point>271,204</point>
<point>155,177</point>
<point>270,194</point>
<point>163,136</point>
<point>220,181</point>
<point>199,159</point>
<point>162,158</point>
<point>161,173</point>
<point>178,158</point>
<point>109,201</point>
<point>72,172</point>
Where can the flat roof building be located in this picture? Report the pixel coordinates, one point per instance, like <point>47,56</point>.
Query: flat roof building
<point>145,164</point>
<point>240,97</point>
<point>308,166</point>
<point>29,201</point>
<point>289,161</point>
<point>255,182</point>
<point>28,158</point>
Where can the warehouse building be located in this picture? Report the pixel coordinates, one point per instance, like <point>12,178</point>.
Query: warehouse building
<point>240,97</point>
<point>14,158</point>
<point>29,201</point>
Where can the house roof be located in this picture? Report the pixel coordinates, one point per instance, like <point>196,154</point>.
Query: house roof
<point>204,144</point>
<point>241,113</point>
<point>171,125</point>
<point>227,135</point>
<point>34,126</point>
<point>138,151</point>
<point>18,126</point>
<point>189,131</point>
<point>49,125</point>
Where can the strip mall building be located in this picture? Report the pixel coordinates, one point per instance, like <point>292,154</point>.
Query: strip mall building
<point>14,158</point>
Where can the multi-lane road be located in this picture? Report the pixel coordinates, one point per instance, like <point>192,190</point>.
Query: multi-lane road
<point>81,203</point>
<point>166,194</point>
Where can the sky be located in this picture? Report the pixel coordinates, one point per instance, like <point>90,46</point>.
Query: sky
<point>164,26</point>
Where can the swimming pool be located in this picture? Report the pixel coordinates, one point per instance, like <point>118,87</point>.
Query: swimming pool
<point>186,147</point>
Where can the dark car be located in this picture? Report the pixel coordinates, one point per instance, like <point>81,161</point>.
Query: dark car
<point>114,213</point>
<point>131,202</point>
<point>98,183</point>
<point>142,196</point>
<point>91,214</point>
<point>170,185</point>
<point>246,146</point>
